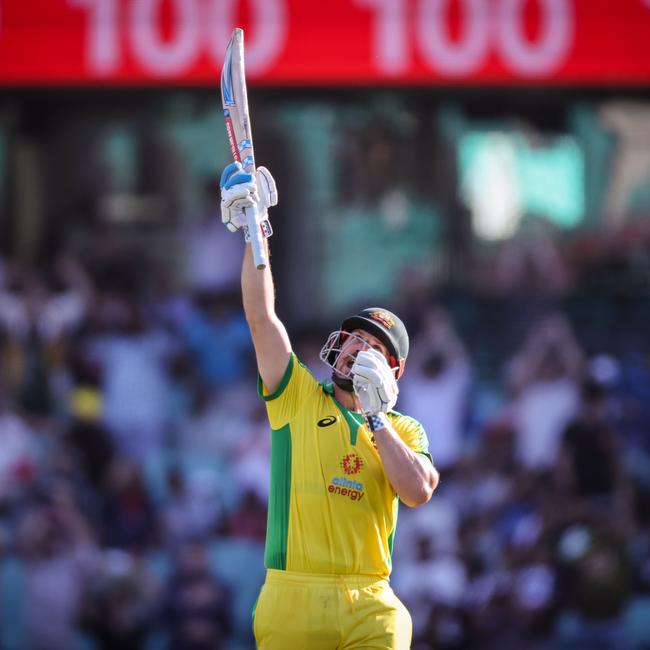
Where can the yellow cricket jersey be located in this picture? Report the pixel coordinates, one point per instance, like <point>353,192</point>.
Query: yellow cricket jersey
<point>331,508</point>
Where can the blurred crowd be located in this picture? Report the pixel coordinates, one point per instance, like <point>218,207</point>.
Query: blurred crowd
<point>538,536</point>
<point>134,458</point>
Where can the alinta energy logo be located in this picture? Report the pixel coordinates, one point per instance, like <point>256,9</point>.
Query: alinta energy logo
<point>350,464</point>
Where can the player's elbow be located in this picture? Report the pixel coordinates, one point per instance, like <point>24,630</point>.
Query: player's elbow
<point>414,500</point>
<point>434,480</point>
<point>425,490</point>
<point>422,493</point>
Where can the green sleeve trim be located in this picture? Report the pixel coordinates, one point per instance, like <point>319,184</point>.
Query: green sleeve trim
<point>283,383</point>
<point>277,524</point>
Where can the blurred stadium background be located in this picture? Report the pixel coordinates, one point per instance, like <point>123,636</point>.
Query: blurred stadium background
<point>481,167</point>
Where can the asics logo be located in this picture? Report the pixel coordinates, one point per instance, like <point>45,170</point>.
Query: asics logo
<point>326,421</point>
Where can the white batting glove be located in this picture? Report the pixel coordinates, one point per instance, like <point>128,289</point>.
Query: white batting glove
<point>374,382</point>
<point>239,190</point>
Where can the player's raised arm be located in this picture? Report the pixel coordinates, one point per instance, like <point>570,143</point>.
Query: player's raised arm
<point>239,190</point>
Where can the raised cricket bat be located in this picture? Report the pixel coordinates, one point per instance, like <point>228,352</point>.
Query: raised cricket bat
<point>238,126</point>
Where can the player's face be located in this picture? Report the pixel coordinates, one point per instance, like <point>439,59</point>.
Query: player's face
<point>358,340</point>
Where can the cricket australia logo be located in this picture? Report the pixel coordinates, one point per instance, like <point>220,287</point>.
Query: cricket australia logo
<point>384,318</point>
<point>351,464</point>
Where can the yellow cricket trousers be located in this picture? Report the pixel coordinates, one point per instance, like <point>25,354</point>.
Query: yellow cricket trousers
<point>297,611</point>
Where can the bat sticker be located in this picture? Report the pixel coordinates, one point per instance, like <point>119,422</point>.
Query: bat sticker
<point>245,144</point>
<point>227,95</point>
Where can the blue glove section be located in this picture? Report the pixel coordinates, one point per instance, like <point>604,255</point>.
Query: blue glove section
<point>234,174</point>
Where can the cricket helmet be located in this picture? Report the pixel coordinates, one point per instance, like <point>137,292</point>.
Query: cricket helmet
<point>383,324</point>
<point>388,328</point>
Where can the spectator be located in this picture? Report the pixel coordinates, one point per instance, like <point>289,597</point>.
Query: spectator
<point>194,508</point>
<point>212,259</point>
<point>429,581</point>
<point>594,579</point>
<point>18,455</point>
<point>86,436</point>
<point>251,452</point>
<point>60,557</point>
<point>544,378</point>
<point>203,430</point>
<point>592,458</point>
<point>217,338</point>
<point>63,304</point>
<point>129,518</point>
<point>132,355</point>
<point>248,521</point>
<point>435,390</point>
<point>196,611</point>
<point>119,609</point>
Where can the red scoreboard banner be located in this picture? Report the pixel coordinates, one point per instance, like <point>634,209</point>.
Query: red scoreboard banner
<point>326,42</point>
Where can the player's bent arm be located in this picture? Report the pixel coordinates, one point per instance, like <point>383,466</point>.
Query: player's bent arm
<point>412,475</point>
<point>270,338</point>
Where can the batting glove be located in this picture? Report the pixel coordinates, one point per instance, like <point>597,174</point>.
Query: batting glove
<point>239,190</point>
<point>374,382</point>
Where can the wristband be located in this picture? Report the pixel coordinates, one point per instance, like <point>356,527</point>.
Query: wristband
<point>378,421</point>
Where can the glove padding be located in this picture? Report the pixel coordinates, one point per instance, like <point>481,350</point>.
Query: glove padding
<point>239,190</point>
<point>374,382</point>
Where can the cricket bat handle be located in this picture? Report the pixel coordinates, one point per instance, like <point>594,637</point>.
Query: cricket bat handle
<point>256,238</point>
